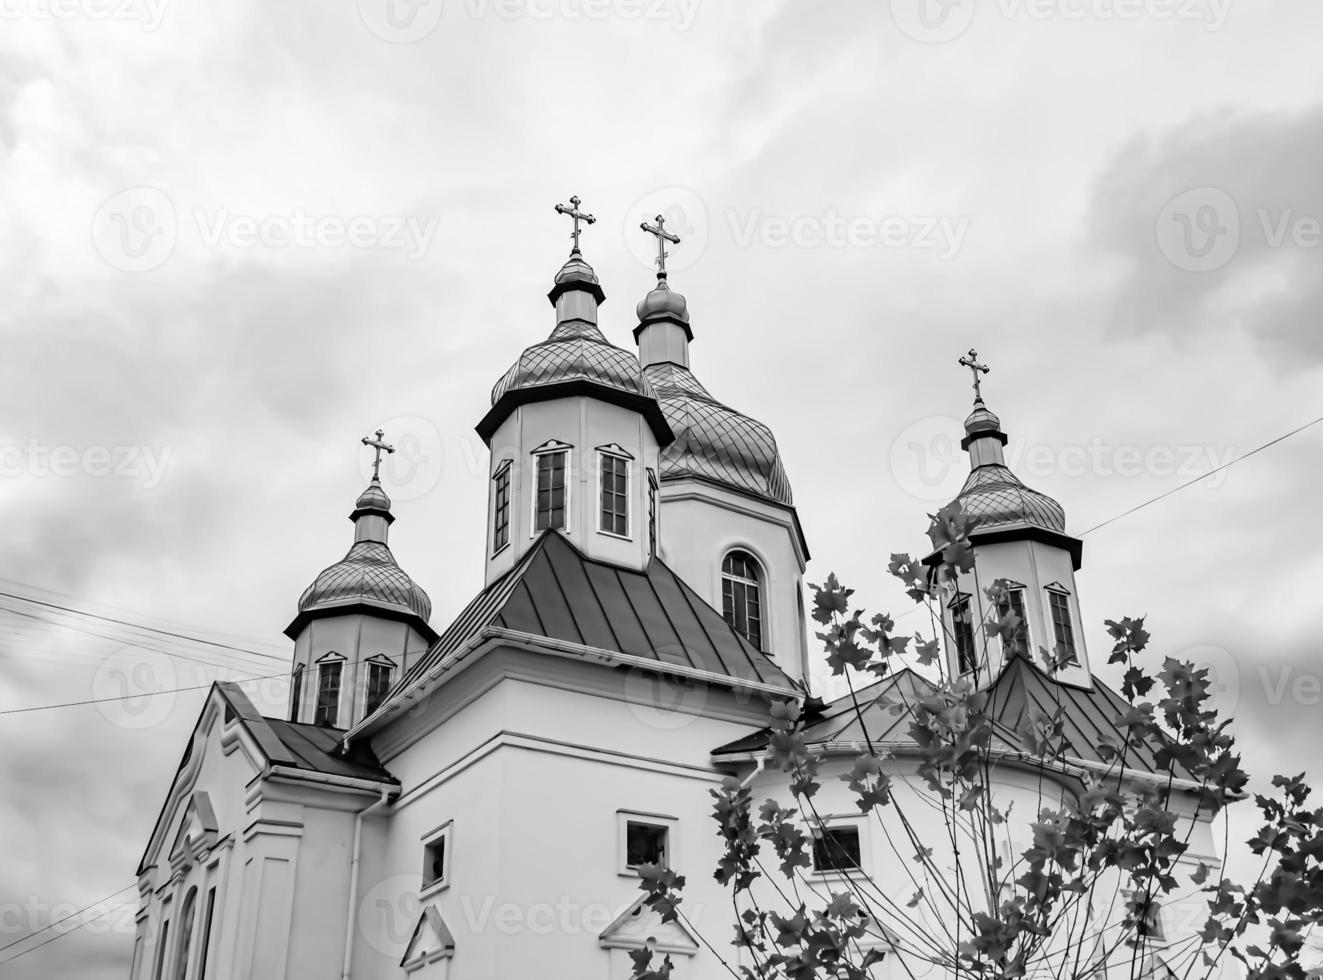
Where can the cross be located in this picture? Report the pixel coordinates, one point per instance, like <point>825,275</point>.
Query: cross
<point>378,446</point>
<point>663,236</point>
<point>971,361</point>
<point>574,212</point>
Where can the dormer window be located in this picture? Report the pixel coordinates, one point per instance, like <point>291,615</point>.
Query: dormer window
<point>1058,602</point>
<point>328,692</point>
<point>501,507</point>
<point>1013,601</point>
<point>962,628</point>
<point>551,499</point>
<point>741,598</point>
<point>614,491</point>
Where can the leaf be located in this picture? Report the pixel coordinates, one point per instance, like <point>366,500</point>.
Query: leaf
<point>915,899</point>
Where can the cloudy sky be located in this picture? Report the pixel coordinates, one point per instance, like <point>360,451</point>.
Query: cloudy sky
<point>236,237</point>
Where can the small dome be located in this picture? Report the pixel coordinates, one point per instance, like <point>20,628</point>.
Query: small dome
<point>575,351</point>
<point>663,302</point>
<point>998,498</point>
<point>367,574</point>
<point>576,269</point>
<point>981,420</point>
<point>715,442</point>
<point>373,498</point>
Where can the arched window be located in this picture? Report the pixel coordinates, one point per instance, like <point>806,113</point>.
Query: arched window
<point>185,935</point>
<point>741,599</point>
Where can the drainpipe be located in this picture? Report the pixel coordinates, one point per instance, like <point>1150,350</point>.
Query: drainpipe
<point>353,879</point>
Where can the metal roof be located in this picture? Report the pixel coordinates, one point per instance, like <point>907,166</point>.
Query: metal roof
<point>998,498</point>
<point>1090,716</point>
<point>368,573</point>
<point>715,442</point>
<point>555,591</point>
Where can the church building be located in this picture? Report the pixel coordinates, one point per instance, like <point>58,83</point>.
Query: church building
<point>471,800</point>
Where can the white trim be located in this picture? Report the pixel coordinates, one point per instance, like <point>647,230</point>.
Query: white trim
<point>626,817</point>
<point>834,821</point>
<point>605,452</point>
<point>547,449</point>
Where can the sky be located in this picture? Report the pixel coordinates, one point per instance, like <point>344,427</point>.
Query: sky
<point>236,237</point>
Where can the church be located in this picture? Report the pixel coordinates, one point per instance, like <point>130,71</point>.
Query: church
<point>471,801</point>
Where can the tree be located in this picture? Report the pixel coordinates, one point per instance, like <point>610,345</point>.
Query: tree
<point>1084,885</point>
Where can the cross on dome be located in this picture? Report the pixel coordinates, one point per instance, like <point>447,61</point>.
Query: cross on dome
<point>573,211</point>
<point>971,361</point>
<point>378,447</point>
<point>663,236</point>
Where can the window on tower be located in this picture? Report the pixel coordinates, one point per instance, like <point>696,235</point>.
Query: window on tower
<point>328,693</point>
<point>549,505</point>
<point>615,494</point>
<point>741,602</point>
<point>295,693</point>
<point>1058,602</point>
<point>501,508</point>
<point>378,685</point>
<point>1013,602</point>
<point>652,512</point>
<point>962,625</point>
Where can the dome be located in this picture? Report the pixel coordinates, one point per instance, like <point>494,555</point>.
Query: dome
<point>715,442</point>
<point>995,495</point>
<point>367,574</point>
<point>663,302</point>
<point>575,351</point>
<point>373,498</point>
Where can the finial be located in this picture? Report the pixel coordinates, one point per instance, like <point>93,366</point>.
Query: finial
<point>663,236</point>
<point>573,211</point>
<point>971,361</point>
<point>378,446</point>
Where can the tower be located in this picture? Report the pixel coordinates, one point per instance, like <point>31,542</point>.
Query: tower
<point>574,432</point>
<point>360,624</point>
<point>1019,538</point>
<point>730,528</point>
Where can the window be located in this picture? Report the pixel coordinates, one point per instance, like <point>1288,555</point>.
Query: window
<point>185,936</point>
<point>549,505</point>
<point>836,849</point>
<point>645,843</point>
<point>160,950</point>
<point>615,494</point>
<point>206,934</point>
<point>501,508</point>
<point>652,512</point>
<point>296,693</point>
<point>1059,603</point>
<point>436,872</point>
<point>740,601</point>
<point>328,693</point>
<point>962,626</point>
<point>378,685</point>
<point>1014,602</point>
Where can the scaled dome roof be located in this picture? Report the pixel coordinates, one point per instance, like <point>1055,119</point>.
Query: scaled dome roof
<point>575,351</point>
<point>368,573</point>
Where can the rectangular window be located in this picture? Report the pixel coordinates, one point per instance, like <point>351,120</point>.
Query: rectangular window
<point>1014,602</point>
<point>836,849</point>
<point>1061,628</point>
<point>160,950</point>
<point>501,510</point>
<point>645,843</point>
<point>206,934</point>
<point>742,609</point>
<point>615,495</point>
<point>378,685</point>
<point>550,502</point>
<point>436,872</point>
<point>963,626</point>
<point>328,694</point>
<point>652,512</point>
<point>296,693</point>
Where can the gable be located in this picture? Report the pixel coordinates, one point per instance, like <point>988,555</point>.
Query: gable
<point>639,927</point>
<point>431,941</point>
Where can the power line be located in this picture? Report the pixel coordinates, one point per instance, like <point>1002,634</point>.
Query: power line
<point>61,935</point>
<point>140,694</point>
<point>1204,476</point>
<point>71,915</point>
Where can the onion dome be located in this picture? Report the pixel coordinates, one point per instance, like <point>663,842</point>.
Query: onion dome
<point>576,359</point>
<point>663,303</point>
<point>368,575</point>
<point>994,494</point>
<point>713,441</point>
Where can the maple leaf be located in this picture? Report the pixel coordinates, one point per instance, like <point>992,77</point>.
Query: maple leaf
<point>927,651</point>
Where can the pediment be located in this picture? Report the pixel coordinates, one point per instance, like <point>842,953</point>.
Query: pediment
<point>431,941</point>
<point>639,927</point>
<point>197,830</point>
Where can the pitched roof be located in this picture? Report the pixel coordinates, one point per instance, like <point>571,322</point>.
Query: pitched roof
<point>555,591</point>
<point>1090,716</point>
